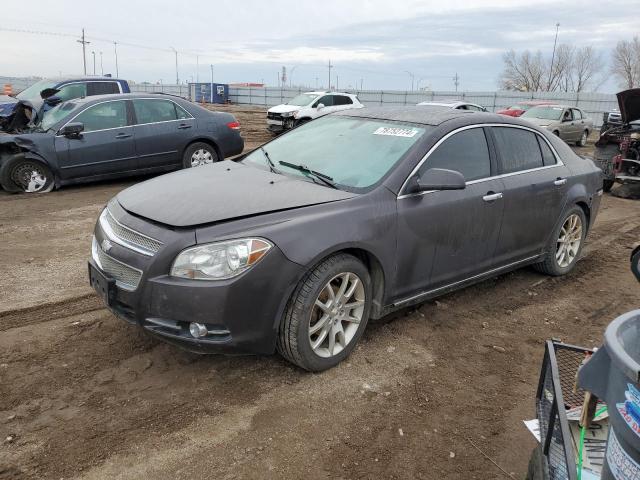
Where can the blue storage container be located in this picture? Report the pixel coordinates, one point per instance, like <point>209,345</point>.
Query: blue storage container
<point>209,92</point>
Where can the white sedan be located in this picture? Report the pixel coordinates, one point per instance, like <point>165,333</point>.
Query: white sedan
<point>458,105</point>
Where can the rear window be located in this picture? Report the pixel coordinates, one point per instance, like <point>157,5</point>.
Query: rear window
<point>548,157</point>
<point>102,88</point>
<point>518,149</point>
<point>341,100</point>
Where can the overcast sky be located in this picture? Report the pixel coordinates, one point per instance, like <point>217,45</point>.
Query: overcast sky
<point>372,41</point>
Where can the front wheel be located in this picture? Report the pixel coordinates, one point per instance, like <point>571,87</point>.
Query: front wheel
<point>565,244</point>
<point>327,314</point>
<point>607,185</point>
<point>583,139</point>
<point>198,154</point>
<point>25,175</point>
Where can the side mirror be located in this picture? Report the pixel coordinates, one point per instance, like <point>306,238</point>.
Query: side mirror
<point>53,101</point>
<point>72,130</point>
<point>320,106</point>
<point>438,179</point>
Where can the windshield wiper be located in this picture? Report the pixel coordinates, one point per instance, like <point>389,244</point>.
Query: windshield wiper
<point>326,179</point>
<point>272,165</point>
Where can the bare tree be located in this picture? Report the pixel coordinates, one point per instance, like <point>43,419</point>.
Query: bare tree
<point>586,68</point>
<point>625,64</point>
<point>524,72</point>
<point>560,71</point>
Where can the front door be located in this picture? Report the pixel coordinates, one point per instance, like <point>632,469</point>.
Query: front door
<point>162,130</point>
<point>535,186</point>
<point>448,236</point>
<point>105,146</point>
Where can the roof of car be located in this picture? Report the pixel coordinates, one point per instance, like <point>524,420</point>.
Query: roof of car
<point>425,114</point>
<point>324,92</point>
<point>115,96</point>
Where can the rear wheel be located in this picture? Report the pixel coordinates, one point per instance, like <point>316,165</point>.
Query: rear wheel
<point>198,154</point>
<point>583,139</point>
<point>607,185</point>
<point>565,244</point>
<point>327,314</point>
<point>26,175</point>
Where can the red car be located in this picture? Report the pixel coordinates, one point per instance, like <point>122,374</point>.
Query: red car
<point>519,108</point>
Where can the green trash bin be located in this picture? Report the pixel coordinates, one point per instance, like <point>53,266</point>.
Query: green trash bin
<point>613,375</point>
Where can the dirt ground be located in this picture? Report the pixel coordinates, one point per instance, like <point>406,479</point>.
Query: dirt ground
<point>84,395</point>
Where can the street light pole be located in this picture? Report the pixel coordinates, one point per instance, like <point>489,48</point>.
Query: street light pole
<point>84,54</point>
<point>197,68</point>
<point>553,56</point>
<point>177,77</point>
<point>115,49</point>
<point>211,83</point>
<point>412,77</point>
<point>101,67</point>
<point>94,61</point>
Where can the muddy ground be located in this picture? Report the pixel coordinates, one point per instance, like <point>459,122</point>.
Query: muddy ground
<point>83,395</point>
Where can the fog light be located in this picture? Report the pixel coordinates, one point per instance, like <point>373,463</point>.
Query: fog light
<point>198,330</point>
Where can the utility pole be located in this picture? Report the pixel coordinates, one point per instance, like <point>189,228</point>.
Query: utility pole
<point>197,68</point>
<point>176,52</point>
<point>94,61</point>
<point>456,81</point>
<point>101,67</point>
<point>212,83</point>
<point>553,56</point>
<point>361,80</point>
<point>337,83</point>
<point>115,49</point>
<point>330,66</point>
<point>291,76</point>
<point>84,54</point>
<point>412,78</point>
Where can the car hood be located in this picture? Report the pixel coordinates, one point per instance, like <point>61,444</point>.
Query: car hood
<point>541,122</point>
<point>284,108</point>
<point>629,104</point>
<point>220,192</point>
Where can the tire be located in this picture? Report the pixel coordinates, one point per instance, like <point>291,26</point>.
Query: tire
<point>603,158</point>
<point>635,263</point>
<point>303,313</point>
<point>551,264</point>
<point>607,185</point>
<point>583,139</point>
<point>302,121</point>
<point>20,174</point>
<point>556,133</point>
<point>198,154</point>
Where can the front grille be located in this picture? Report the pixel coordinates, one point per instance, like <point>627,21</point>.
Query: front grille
<point>126,277</point>
<point>126,237</point>
<point>274,116</point>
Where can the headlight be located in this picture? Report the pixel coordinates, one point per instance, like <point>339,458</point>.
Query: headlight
<point>290,114</point>
<point>217,261</point>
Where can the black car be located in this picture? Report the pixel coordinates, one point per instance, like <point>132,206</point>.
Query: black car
<point>297,244</point>
<point>109,136</point>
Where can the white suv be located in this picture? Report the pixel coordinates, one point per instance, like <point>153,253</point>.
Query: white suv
<point>308,106</point>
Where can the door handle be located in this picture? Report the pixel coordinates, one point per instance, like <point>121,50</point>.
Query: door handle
<point>559,181</point>
<point>492,197</point>
<point>184,125</point>
<point>123,135</point>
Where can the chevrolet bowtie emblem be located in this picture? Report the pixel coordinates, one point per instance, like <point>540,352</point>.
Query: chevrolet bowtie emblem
<point>106,245</point>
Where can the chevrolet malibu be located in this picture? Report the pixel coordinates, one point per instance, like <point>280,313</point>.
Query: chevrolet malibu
<point>295,246</point>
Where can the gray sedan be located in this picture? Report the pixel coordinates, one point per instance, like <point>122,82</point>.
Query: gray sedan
<point>296,245</point>
<point>569,123</point>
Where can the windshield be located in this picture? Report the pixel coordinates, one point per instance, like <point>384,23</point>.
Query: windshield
<point>546,113</point>
<point>33,92</point>
<point>302,100</point>
<point>519,107</point>
<point>57,113</point>
<point>354,152</point>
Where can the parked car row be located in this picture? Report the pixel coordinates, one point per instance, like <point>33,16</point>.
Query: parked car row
<point>252,255</point>
<point>109,136</point>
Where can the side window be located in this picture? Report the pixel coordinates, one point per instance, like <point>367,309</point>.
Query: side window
<point>466,152</point>
<point>464,106</point>
<point>326,100</point>
<point>154,111</point>
<point>519,149</point>
<point>548,158</point>
<point>102,88</point>
<point>474,108</point>
<point>181,112</point>
<point>342,100</point>
<point>103,116</point>
<point>71,91</point>
<point>567,116</point>
<point>577,114</point>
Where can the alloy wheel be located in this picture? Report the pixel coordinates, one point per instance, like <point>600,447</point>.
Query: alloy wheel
<point>201,157</point>
<point>30,177</point>
<point>569,240</point>
<point>336,314</point>
<point>583,140</point>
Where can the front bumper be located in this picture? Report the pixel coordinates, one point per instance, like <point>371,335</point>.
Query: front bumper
<point>242,314</point>
<point>277,126</point>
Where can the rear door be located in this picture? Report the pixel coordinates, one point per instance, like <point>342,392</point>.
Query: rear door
<point>448,236</point>
<point>105,146</point>
<point>162,131</point>
<point>535,187</point>
<point>342,102</point>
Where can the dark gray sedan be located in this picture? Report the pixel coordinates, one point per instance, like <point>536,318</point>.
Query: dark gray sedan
<point>110,136</point>
<point>295,246</point>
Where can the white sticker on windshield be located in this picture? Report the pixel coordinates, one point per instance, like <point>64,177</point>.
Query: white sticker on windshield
<point>396,132</point>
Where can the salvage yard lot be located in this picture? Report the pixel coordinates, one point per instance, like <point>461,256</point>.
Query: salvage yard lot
<point>83,395</point>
